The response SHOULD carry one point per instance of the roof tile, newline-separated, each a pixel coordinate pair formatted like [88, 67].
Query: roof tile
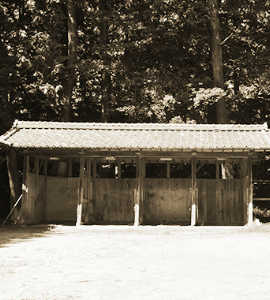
[117, 136]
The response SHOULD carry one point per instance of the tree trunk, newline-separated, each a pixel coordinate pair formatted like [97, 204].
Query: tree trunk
[106, 80]
[70, 67]
[106, 100]
[217, 61]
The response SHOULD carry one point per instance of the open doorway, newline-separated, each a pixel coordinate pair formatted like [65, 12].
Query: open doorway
[4, 191]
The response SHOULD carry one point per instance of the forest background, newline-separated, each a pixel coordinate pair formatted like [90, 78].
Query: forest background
[188, 61]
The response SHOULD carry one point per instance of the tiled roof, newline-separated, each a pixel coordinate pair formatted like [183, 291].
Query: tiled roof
[119, 136]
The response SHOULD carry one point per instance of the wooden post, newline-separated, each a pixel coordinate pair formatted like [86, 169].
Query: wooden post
[25, 188]
[219, 185]
[137, 194]
[24, 183]
[80, 198]
[35, 214]
[45, 189]
[94, 176]
[250, 194]
[168, 175]
[138, 205]
[89, 185]
[247, 191]
[118, 165]
[194, 204]
[13, 180]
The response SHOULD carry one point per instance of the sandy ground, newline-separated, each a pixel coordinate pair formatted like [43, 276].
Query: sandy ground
[124, 262]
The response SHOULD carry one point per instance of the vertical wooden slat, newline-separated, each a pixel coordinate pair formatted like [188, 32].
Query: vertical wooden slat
[194, 200]
[70, 167]
[80, 198]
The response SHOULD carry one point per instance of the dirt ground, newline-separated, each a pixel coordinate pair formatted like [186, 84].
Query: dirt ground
[125, 262]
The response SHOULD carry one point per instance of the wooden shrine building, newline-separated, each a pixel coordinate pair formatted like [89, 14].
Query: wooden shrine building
[95, 173]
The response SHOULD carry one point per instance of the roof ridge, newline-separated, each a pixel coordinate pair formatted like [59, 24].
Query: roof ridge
[136, 126]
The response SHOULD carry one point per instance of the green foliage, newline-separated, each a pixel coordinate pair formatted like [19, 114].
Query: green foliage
[136, 61]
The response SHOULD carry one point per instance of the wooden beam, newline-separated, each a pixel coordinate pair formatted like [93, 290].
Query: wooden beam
[194, 200]
[175, 154]
[81, 192]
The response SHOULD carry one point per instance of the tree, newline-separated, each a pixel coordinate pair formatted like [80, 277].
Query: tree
[70, 73]
[216, 59]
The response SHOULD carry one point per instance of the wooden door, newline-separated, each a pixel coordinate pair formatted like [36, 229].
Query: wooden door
[167, 201]
[114, 191]
[62, 199]
[220, 201]
[114, 201]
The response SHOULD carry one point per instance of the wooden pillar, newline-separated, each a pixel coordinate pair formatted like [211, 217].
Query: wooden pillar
[194, 200]
[138, 205]
[44, 216]
[35, 205]
[90, 213]
[219, 209]
[26, 166]
[13, 180]
[94, 176]
[250, 194]
[168, 175]
[118, 165]
[81, 192]
[247, 191]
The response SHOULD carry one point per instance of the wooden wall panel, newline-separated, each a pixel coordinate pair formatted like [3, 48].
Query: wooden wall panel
[62, 198]
[207, 206]
[36, 194]
[220, 202]
[114, 201]
[167, 201]
[230, 202]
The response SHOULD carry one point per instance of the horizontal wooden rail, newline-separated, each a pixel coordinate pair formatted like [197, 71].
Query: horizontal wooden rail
[261, 199]
[261, 181]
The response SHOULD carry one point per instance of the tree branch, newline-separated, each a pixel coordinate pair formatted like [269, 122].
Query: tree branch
[226, 39]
